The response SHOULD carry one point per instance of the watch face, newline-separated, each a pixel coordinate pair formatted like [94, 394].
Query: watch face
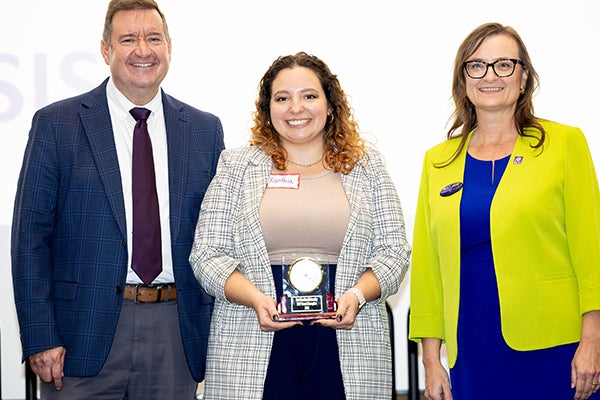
[305, 274]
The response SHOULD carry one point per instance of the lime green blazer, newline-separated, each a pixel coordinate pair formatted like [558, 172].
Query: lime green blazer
[545, 230]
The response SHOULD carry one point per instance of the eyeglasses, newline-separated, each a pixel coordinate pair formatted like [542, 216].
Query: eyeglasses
[502, 67]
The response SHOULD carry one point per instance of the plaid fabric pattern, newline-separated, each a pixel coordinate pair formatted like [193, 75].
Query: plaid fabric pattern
[69, 249]
[228, 236]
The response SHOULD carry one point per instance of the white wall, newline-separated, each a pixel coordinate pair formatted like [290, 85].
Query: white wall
[394, 59]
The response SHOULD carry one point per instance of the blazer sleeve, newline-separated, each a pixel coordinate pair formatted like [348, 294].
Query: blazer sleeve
[213, 239]
[582, 210]
[426, 303]
[390, 248]
[33, 224]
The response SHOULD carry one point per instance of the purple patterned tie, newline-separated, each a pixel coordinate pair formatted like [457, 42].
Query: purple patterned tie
[147, 253]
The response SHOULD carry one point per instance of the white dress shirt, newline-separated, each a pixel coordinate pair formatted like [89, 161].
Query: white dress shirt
[123, 124]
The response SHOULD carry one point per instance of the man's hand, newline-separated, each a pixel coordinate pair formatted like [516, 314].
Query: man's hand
[48, 365]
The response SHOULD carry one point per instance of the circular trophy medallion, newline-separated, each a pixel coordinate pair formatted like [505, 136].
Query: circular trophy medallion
[305, 274]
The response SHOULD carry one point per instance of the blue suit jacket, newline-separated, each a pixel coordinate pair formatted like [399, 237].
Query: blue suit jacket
[69, 249]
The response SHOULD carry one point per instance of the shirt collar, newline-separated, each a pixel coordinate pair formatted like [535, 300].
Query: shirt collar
[124, 104]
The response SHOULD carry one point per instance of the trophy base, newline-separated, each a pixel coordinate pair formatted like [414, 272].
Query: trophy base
[306, 316]
[299, 307]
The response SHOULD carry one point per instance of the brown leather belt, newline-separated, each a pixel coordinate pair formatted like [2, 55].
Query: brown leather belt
[150, 294]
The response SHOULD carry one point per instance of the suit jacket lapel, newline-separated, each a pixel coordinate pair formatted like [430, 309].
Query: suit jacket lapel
[259, 169]
[95, 119]
[178, 133]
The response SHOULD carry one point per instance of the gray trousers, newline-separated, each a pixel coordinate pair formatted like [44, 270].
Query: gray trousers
[146, 361]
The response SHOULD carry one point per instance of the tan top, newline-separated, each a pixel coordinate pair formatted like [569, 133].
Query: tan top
[311, 219]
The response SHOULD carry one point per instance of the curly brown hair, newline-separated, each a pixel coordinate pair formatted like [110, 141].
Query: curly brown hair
[343, 144]
[464, 116]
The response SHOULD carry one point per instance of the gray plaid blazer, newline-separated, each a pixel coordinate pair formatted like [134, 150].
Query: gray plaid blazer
[228, 236]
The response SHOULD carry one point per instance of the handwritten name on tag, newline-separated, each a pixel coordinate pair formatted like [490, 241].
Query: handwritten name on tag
[284, 181]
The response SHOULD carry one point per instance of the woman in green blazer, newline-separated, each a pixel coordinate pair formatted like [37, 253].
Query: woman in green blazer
[506, 252]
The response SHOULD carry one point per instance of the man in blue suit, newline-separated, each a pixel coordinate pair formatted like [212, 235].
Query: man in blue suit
[90, 327]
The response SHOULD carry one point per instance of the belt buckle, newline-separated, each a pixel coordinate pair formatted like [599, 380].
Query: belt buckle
[159, 289]
[136, 294]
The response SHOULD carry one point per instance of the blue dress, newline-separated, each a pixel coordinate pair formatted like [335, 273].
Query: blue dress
[486, 368]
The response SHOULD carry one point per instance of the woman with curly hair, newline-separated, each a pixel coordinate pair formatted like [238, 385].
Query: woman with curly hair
[303, 215]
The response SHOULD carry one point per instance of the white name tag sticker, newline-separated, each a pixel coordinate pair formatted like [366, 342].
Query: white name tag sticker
[283, 181]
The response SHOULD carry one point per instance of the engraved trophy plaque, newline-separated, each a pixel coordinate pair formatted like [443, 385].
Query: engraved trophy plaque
[306, 293]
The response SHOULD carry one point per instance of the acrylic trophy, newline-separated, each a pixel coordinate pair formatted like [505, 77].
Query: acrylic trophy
[306, 293]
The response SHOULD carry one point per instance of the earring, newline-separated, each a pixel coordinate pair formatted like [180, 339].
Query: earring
[330, 118]
[522, 90]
